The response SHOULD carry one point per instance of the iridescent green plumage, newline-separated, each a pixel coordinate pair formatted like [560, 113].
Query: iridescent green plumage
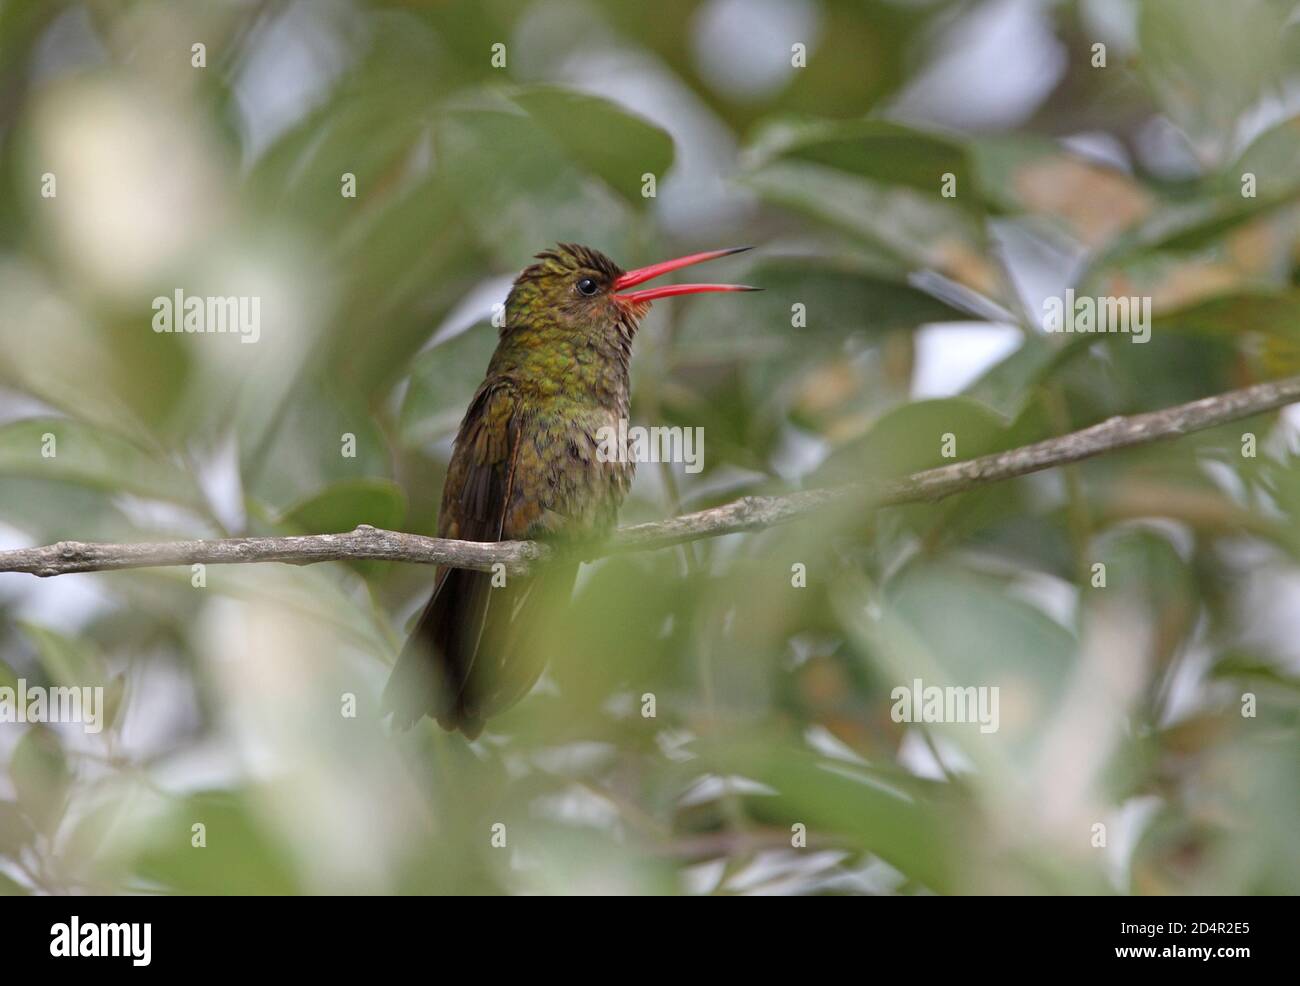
[525, 466]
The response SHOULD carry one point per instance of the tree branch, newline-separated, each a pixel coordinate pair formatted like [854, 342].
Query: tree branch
[746, 514]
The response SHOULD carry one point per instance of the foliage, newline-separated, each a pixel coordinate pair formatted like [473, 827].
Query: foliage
[1120, 705]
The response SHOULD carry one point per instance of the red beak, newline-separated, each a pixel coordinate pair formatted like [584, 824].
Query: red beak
[643, 274]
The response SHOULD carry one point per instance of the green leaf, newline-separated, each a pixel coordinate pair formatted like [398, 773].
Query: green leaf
[987, 636]
[89, 456]
[344, 505]
[916, 230]
[1207, 62]
[240, 856]
[1265, 312]
[1243, 666]
[1187, 226]
[839, 298]
[86, 363]
[517, 189]
[68, 661]
[1274, 159]
[40, 776]
[403, 266]
[369, 127]
[8, 678]
[879, 150]
[885, 813]
[443, 379]
[914, 437]
[304, 452]
[324, 594]
[911, 437]
[602, 137]
[15, 830]
[1008, 386]
[1173, 280]
[40, 509]
[1090, 203]
[1145, 570]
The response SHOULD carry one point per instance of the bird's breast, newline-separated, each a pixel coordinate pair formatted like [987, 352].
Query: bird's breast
[569, 449]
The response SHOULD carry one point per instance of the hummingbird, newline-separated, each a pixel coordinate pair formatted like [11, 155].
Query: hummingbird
[526, 466]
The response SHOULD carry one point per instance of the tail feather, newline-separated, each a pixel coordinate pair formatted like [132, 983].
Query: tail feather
[431, 671]
[520, 643]
[473, 652]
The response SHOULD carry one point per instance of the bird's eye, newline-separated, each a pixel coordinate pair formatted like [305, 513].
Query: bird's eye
[587, 286]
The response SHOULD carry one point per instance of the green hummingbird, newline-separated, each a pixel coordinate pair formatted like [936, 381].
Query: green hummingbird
[526, 465]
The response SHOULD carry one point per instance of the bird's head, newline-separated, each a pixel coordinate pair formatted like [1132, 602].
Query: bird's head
[577, 289]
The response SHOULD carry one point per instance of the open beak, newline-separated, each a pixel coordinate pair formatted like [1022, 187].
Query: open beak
[642, 274]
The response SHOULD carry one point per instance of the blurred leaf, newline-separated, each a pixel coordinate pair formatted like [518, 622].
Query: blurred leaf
[1090, 202]
[879, 812]
[1242, 666]
[1196, 224]
[1274, 159]
[325, 594]
[952, 626]
[396, 314]
[917, 230]
[40, 776]
[443, 379]
[1186, 226]
[240, 857]
[8, 678]
[1176, 279]
[1208, 62]
[103, 836]
[15, 830]
[880, 150]
[89, 456]
[41, 508]
[1121, 377]
[911, 437]
[68, 661]
[87, 363]
[1271, 315]
[602, 137]
[1145, 570]
[114, 699]
[305, 450]
[638, 632]
[1009, 384]
[858, 53]
[838, 299]
[517, 190]
[987, 635]
[342, 506]
[370, 127]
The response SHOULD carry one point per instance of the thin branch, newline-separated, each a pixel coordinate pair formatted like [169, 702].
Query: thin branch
[746, 514]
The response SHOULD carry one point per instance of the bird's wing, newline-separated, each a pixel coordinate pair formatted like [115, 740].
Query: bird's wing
[495, 490]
